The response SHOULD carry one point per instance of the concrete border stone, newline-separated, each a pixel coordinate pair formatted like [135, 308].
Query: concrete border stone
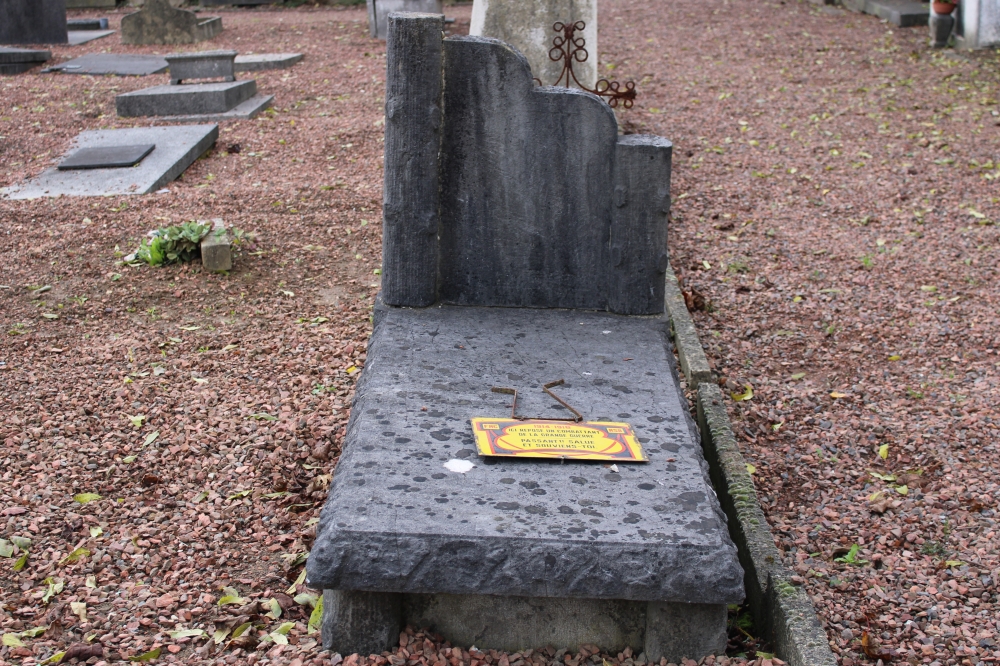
[783, 612]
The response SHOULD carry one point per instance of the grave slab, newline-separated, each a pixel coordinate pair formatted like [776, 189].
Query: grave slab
[33, 22]
[185, 100]
[160, 23]
[262, 61]
[246, 111]
[16, 61]
[118, 64]
[176, 149]
[87, 24]
[78, 37]
[527, 26]
[379, 10]
[398, 521]
[106, 157]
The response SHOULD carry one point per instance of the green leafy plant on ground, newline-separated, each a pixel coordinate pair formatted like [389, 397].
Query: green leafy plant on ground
[173, 244]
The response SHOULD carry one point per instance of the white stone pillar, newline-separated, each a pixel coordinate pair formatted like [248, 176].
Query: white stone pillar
[527, 25]
[978, 24]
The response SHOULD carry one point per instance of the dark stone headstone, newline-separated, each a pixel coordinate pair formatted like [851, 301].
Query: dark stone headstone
[33, 22]
[160, 23]
[106, 157]
[502, 193]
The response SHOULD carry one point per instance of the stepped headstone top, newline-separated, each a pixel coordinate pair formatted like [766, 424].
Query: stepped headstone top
[107, 157]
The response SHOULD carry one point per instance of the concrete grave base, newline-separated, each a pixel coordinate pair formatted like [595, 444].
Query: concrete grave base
[118, 64]
[176, 149]
[77, 37]
[370, 622]
[246, 111]
[260, 61]
[185, 100]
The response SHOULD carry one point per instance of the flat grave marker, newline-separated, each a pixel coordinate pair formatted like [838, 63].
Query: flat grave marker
[119, 64]
[106, 157]
[176, 149]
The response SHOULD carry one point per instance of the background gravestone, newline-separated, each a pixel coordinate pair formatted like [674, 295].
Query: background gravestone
[527, 25]
[33, 22]
[160, 23]
[379, 10]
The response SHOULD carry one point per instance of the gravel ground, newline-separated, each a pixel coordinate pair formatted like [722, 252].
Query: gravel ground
[835, 197]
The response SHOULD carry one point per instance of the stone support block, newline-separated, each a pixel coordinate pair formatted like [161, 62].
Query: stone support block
[194, 99]
[216, 249]
[201, 65]
[361, 622]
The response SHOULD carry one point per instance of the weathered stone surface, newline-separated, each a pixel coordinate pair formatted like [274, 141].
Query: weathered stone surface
[978, 24]
[244, 111]
[397, 520]
[517, 623]
[160, 23]
[941, 26]
[216, 250]
[413, 118]
[676, 631]
[199, 98]
[257, 62]
[33, 22]
[527, 26]
[379, 10]
[106, 157]
[176, 149]
[511, 198]
[120, 64]
[361, 622]
[201, 65]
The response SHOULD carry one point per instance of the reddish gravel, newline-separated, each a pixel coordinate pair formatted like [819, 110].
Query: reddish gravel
[835, 191]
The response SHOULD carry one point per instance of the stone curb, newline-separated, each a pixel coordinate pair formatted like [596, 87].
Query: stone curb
[782, 612]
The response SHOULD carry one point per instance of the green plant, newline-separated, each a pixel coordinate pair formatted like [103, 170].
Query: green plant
[173, 244]
[852, 557]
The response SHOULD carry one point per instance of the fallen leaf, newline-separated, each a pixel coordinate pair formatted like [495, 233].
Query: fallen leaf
[84, 498]
[231, 596]
[883, 452]
[751, 469]
[316, 617]
[798, 375]
[837, 394]
[96, 531]
[147, 656]
[77, 554]
[6, 548]
[136, 420]
[746, 395]
[12, 640]
[150, 438]
[79, 608]
[186, 633]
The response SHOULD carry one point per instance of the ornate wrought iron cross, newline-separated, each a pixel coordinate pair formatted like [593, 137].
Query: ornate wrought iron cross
[570, 48]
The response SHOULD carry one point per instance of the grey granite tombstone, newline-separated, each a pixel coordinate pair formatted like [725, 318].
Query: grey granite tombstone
[33, 22]
[202, 65]
[524, 241]
[527, 26]
[379, 10]
[160, 23]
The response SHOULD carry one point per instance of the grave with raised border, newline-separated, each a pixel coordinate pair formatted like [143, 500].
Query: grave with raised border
[101, 152]
[524, 241]
[160, 23]
[229, 99]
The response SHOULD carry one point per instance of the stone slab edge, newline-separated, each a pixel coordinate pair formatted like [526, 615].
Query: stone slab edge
[247, 110]
[782, 611]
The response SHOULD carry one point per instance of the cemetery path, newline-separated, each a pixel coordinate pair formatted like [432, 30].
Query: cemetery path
[835, 199]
